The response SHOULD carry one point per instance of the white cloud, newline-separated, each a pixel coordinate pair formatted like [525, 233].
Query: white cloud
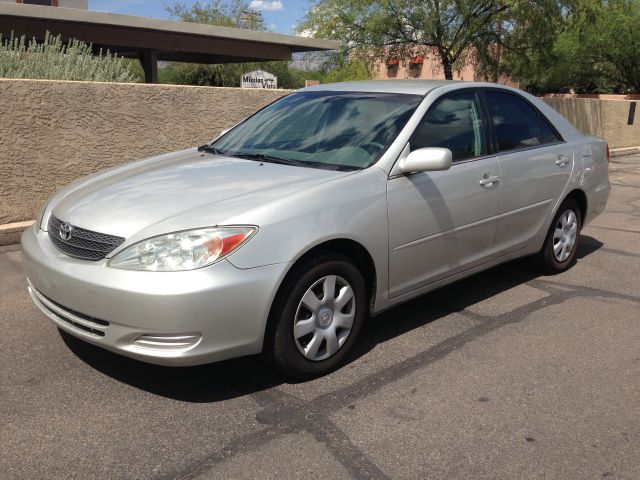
[266, 5]
[303, 33]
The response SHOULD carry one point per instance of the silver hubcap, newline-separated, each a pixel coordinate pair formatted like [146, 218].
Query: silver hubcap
[324, 318]
[564, 237]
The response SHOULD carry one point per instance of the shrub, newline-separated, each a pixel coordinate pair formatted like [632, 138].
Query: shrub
[52, 59]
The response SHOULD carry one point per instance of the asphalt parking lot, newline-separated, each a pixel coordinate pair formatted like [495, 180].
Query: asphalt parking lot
[504, 375]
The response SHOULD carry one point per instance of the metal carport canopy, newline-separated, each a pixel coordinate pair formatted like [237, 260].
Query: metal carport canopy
[151, 39]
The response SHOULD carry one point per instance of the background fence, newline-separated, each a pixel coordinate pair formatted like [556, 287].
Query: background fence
[612, 117]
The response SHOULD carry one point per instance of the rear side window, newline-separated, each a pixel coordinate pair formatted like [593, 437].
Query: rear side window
[516, 123]
[455, 123]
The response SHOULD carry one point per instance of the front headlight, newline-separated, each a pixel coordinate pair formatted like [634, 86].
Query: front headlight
[186, 250]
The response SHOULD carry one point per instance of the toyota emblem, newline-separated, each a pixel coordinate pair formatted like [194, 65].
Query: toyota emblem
[65, 231]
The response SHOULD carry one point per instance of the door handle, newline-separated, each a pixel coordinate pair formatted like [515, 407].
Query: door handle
[488, 180]
[562, 160]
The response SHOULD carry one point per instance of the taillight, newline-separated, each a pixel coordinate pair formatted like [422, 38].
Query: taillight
[608, 154]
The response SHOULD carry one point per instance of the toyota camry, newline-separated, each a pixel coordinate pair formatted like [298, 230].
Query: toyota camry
[284, 234]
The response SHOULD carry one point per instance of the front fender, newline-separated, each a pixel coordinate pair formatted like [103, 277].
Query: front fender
[352, 207]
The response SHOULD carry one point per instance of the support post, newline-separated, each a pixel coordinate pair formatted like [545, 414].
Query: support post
[149, 62]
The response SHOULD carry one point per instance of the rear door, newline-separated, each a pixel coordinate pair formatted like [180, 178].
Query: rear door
[535, 166]
[443, 222]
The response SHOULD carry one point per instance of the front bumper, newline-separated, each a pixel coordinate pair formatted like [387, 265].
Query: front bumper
[176, 318]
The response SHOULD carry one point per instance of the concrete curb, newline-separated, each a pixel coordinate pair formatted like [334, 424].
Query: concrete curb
[10, 232]
[620, 152]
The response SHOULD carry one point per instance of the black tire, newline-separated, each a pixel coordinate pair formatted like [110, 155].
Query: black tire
[280, 344]
[546, 258]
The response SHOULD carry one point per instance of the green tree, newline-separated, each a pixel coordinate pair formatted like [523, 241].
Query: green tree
[602, 40]
[55, 60]
[337, 67]
[594, 46]
[235, 14]
[521, 39]
[404, 28]
[528, 55]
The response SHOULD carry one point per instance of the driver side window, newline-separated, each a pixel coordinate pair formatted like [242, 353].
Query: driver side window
[455, 123]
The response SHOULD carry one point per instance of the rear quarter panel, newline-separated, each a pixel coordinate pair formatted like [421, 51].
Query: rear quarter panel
[594, 180]
[590, 175]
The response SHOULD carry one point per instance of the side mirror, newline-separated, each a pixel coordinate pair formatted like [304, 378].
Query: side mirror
[426, 160]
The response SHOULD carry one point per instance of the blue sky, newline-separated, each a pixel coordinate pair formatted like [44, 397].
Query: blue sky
[279, 15]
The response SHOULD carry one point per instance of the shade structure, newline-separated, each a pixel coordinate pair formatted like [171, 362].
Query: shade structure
[151, 39]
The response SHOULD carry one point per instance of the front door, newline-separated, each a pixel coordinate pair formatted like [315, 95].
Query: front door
[441, 223]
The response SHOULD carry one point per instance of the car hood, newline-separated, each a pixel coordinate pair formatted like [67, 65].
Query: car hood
[130, 199]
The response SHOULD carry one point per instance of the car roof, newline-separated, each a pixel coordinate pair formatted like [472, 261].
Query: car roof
[415, 87]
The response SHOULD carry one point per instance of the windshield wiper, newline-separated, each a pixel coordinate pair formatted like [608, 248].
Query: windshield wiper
[209, 149]
[262, 157]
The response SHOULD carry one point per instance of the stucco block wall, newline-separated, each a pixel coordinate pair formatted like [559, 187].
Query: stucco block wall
[608, 119]
[53, 132]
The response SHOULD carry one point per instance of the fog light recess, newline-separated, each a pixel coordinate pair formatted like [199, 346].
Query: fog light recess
[167, 342]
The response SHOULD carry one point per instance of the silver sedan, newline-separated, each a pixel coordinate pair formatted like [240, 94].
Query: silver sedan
[336, 202]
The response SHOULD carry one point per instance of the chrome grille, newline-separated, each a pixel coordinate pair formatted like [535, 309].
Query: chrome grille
[82, 243]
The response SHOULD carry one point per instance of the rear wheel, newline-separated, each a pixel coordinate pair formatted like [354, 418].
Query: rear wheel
[561, 244]
[317, 317]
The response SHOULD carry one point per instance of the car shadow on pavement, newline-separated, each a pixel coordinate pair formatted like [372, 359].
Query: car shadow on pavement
[243, 376]
[456, 297]
[587, 246]
[204, 383]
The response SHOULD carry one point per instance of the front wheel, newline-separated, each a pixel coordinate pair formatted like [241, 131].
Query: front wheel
[561, 245]
[317, 317]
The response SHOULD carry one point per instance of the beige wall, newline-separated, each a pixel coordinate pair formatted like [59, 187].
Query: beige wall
[52, 132]
[606, 118]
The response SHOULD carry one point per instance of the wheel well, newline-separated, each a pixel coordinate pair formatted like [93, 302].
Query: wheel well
[580, 197]
[355, 252]
[351, 249]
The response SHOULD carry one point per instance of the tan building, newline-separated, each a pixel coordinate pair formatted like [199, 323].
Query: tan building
[425, 67]
[83, 4]
[418, 67]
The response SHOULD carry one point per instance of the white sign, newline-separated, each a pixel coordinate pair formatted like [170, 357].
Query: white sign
[258, 79]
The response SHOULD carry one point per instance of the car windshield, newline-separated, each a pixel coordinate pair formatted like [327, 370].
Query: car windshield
[331, 130]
